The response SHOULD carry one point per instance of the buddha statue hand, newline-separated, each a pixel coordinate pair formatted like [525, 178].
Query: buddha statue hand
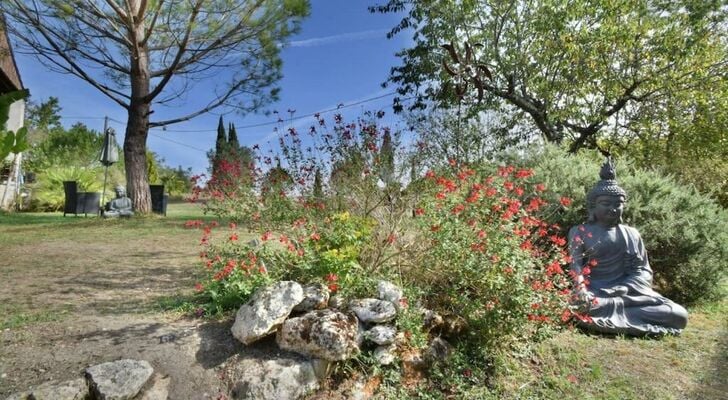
[615, 291]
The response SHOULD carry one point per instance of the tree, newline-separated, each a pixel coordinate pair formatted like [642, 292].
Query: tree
[574, 67]
[147, 53]
[220, 143]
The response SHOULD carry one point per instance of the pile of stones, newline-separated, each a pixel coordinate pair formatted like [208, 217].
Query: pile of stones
[323, 330]
[313, 329]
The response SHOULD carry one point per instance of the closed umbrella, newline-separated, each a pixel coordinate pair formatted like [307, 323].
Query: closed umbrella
[109, 155]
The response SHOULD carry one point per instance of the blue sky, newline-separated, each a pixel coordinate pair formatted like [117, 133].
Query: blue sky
[340, 56]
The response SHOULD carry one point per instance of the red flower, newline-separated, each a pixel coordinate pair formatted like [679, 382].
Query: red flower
[565, 201]
[508, 185]
[266, 236]
[234, 237]
[419, 211]
[391, 238]
[458, 209]
[524, 173]
[315, 236]
[331, 277]
[199, 287]
[233, 225]
[540, 187]
[333, 287]
[429, 174]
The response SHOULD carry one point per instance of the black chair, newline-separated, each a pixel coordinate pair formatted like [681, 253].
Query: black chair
[79, 202]
[159, 199]
[71, 190]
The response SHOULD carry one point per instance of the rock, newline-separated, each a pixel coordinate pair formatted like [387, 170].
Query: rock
[326, 334]
[159, 388]
[315, 297]
[321, 368]
[19, 396]
[277, 379]
[373, 310]
[266, 310]
[76, 389]
[118, 380]
[381, 334]
[439, 350]
[390, 292]
[385, 354]
[338, 302]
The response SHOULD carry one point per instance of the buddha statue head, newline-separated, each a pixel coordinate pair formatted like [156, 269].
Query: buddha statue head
[120, 191]
[605, 201]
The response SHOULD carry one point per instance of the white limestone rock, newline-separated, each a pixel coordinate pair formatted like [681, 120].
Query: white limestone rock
[118, 380]
[276, 379]
[315, 297]
[325, 334]
[373, 310]
[390, 292]
[381, 334]
[266, 311]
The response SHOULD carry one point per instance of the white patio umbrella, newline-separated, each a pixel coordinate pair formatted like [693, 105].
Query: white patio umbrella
[109, 155]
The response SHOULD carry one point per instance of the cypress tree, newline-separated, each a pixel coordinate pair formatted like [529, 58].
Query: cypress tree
[386, 159]
[318, 190]
[220, 143]
[233, 138]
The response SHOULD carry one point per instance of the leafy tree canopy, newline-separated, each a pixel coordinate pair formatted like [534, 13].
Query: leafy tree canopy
[576, 68]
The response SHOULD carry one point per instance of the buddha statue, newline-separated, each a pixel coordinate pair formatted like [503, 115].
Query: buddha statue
[120, 206]
[613, 278]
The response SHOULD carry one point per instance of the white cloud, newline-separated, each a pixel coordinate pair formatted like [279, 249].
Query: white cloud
[344, 37]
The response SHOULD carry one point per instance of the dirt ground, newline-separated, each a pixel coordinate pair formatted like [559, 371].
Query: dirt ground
[90, 292]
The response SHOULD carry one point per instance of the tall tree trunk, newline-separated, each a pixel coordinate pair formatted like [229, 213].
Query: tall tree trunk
[135, 157]
[137, 125]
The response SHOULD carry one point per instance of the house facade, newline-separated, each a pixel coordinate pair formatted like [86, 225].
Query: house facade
[10, 81]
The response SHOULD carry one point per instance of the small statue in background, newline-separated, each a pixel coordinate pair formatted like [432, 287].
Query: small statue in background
[120, 206]
[613, 275]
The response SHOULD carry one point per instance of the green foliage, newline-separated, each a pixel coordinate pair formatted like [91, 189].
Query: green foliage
[327, 252]
[11, 142]
[176, 181]
[78, 146]
[576, 69]
[48, 192]
[684, 231]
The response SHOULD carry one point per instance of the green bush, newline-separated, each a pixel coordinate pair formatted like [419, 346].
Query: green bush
[684, 231]
[48, 194]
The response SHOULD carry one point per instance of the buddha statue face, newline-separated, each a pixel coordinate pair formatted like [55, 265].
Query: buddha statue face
[120, 191]
[607, 210]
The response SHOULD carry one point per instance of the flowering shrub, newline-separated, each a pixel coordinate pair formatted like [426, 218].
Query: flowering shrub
[306, 252]
[233, 270]
[490, 259]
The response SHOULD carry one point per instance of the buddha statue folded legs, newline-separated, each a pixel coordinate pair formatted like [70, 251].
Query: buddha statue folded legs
[612, 271]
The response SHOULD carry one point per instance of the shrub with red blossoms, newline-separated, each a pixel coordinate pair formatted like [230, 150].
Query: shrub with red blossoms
[490, 256]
